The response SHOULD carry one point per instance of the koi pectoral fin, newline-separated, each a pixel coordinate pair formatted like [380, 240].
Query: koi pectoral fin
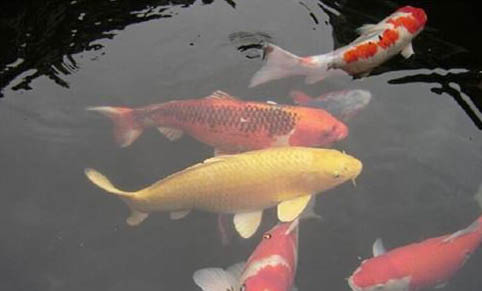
[247, 223]
[171, 133]
[407, 51]
[214, 279]
[174, 215]
[136, 217]
[289, 210]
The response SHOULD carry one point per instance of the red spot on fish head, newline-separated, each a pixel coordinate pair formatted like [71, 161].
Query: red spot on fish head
[418, 13]
[413, 23]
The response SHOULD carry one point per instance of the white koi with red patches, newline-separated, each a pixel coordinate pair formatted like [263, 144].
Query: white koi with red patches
[377, 43]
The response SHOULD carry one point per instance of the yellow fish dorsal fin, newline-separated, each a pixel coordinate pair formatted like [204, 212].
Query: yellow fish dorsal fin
[215, 159]
[221, 95]
[289, 210]
[198, 165]
[247, 223]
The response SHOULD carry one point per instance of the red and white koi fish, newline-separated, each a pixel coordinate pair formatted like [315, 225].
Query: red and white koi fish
[271, 267]
[377, 43]
[429, 263]
[228, 124]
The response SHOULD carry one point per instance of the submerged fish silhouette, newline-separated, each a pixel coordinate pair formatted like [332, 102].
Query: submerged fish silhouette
[343, 104]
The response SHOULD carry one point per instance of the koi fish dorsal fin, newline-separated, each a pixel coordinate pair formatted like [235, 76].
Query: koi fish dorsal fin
[378, 248]
[247, 223]
[221, 95]
[215, 279]
[218, 158]
[372, 28]
[198, 165]
[289, 210]
[471, 228]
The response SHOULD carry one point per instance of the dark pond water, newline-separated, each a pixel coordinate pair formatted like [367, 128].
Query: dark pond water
[419, 138]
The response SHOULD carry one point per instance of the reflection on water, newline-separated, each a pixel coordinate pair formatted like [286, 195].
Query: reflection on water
[44, 36]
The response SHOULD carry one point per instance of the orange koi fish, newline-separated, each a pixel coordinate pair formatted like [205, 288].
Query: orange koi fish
[228, 124]
[417, 266]
[377, 43]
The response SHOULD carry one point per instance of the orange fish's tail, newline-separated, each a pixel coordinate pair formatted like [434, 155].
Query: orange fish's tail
[126, 127]
[281, 64]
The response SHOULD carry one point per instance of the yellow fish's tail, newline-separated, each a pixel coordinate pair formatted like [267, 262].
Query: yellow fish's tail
[101, 181]
[104, 183]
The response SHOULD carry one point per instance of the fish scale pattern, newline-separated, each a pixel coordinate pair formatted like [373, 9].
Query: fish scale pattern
[250, 118]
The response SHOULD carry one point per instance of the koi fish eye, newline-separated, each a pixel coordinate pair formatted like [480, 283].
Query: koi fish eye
[267, 236]
[243, 287]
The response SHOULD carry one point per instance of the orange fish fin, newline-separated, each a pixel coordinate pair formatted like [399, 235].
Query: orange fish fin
[126, 127]
[171, 133]
[221, 95]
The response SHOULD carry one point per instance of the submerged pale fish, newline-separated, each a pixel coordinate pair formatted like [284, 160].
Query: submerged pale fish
[243, 184]
[343, 104]
[377, 43]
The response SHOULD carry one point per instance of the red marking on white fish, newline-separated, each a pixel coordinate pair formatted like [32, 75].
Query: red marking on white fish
[376, 44]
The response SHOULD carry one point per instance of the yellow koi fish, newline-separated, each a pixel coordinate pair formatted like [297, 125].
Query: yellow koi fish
[243, 184]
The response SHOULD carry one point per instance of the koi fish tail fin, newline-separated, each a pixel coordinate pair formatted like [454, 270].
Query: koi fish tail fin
[126, 128]
[300, 98]
[319, 67]
[279, 64]
[136, 217]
